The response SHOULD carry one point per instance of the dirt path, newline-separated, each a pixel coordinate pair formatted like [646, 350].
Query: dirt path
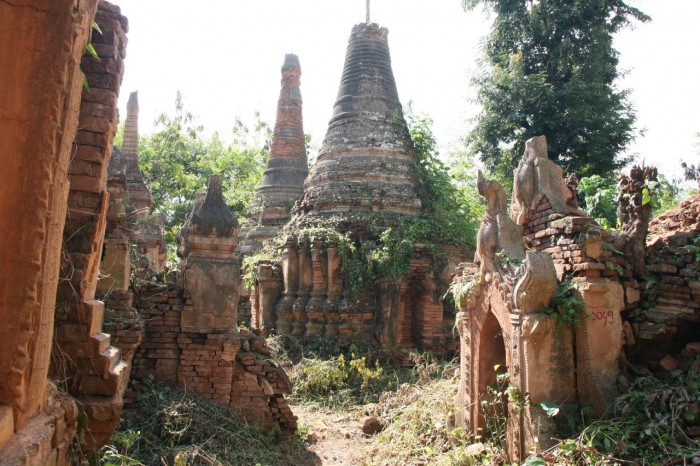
[333, 437]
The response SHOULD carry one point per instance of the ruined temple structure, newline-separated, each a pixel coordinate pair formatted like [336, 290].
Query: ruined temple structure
[191, 338]
[508, 320]
[56, 138]
[364, 178]
[287, 167]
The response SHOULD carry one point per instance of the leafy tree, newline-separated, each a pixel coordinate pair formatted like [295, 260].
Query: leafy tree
[447, 218]
[598, 197]
[550, 69]
[177, 161]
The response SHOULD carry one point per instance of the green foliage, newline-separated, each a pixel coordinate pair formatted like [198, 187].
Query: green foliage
[550, 69]
[463, 169]
[445, 220]
[567, 306]
[177, 161]
[665, 195]
[341, 382]
[119, 135]
[174, 427]
[649, 427]
[598, 197]
[89, 48]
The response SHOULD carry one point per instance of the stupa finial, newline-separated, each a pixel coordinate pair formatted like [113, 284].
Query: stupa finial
[367, 11]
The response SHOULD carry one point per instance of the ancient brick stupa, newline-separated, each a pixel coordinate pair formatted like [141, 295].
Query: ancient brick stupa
[364, 181]
[283, 181]
[367, 161]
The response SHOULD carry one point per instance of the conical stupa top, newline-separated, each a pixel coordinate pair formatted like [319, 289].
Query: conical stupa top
[213, 217]
[367, 160]
[287, 166]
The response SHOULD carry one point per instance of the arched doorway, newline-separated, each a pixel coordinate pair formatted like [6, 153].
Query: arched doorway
[492, 380]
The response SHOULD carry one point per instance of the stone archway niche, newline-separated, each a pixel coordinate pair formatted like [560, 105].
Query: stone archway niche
[492, 363]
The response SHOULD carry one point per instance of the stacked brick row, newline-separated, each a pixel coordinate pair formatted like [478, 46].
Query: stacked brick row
[158, 355]
[428, 307]
[206, 364]
[578, 246]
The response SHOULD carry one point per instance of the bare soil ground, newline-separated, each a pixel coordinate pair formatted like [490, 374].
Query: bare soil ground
[332, 437]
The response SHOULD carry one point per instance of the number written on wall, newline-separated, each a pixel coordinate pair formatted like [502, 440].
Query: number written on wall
[605, 316]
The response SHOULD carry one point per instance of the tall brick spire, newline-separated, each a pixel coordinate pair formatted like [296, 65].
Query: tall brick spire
[367, 161]
[139, 195]
[287, 168]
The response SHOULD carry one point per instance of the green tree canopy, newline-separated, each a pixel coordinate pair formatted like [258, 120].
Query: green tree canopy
[550, 69]
[177, 161]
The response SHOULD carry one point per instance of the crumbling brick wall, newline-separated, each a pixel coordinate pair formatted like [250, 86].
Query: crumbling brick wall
[250, 381]
[663, 328]
[88, 366]
[191, 338]
[40, 49]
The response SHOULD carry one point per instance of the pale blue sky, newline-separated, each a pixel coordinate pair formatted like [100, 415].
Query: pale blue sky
[225, 57]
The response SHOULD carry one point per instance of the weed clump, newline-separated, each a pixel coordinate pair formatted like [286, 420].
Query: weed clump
[651, 425]
[342, 381]
[415, 420]
[174, 427]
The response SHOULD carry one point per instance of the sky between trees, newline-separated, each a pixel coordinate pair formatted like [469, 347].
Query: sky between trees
[225, 58]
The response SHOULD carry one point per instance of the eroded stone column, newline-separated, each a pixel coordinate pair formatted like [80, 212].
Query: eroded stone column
[599, 342]
[268, 286]
[331, 305]
[290, 276]
[304, 290]
[40, 93]
[316, 307]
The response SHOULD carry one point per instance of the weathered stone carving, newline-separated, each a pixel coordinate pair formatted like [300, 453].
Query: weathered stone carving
[533, 290]
[505, 317]
[498, 234]
[634, 211]
[537, 177]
